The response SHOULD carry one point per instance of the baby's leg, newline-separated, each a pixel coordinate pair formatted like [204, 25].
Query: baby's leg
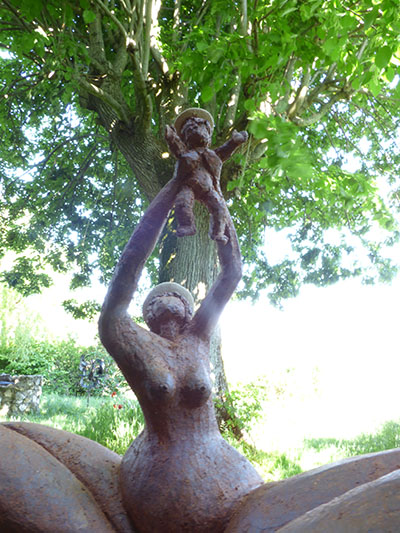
[218, 213]
[184, 212]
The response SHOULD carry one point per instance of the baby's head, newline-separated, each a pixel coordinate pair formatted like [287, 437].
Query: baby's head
[195, 126]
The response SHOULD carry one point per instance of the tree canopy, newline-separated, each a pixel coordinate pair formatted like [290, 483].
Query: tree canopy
[87, 88]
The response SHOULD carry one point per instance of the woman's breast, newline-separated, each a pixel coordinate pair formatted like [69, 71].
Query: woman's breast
[195, 389]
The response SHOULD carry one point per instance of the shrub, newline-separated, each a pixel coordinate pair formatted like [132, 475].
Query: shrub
[241, 408]
[386, 438]
[58, 362]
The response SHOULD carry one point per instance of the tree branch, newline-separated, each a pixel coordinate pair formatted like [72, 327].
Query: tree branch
[146, 39]
[288, 75]
[243, 18]
[328, 78]
[233, 103]
[234, 99]
[116, 21]
[308, 121]
[160, 60]
[97, 48]
[141, 92]
[297, 105]
[176, 23]
[104, 96]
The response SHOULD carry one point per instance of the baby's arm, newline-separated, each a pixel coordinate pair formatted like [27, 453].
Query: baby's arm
[225, 151]
[175, 143]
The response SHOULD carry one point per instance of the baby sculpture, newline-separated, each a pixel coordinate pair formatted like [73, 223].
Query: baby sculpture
[199, 168]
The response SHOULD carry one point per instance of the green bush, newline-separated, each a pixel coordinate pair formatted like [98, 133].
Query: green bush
[241, 408]
[34, 357]
[387, 438]
[58, 362]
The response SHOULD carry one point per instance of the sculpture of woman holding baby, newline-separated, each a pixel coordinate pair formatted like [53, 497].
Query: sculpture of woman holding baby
[179, 475]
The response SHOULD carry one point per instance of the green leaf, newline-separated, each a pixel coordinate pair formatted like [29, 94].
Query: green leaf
[207, 93]
[89, 16]
[331, 48]
[389, 74]
[369, 18]
[201, 46]
[215, 54]
[250, 105]
[258, 127]
[383, 56]
[375, 87]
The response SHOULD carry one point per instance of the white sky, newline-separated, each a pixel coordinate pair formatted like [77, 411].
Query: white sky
[346, 335]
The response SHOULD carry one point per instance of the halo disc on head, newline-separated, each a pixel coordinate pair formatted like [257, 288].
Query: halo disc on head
[164, 288]
[192, 112]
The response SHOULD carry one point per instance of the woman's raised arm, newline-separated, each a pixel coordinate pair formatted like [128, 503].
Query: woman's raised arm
[139, 247]
[207, 316]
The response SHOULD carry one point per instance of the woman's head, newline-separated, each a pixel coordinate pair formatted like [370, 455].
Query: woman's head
[167, 303]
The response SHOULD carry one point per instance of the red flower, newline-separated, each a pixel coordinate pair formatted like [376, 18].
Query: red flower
[120, 406]
[115, 406]
[113, 394]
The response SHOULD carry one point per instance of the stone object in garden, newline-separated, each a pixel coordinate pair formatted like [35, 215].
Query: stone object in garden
[19, 394]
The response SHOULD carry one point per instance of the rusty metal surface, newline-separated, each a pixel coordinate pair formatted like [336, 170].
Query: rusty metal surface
[273, 505]
[374, 508]
[38, 494]
[96, 467]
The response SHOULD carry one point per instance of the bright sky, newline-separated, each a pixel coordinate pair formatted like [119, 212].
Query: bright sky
[346, 336]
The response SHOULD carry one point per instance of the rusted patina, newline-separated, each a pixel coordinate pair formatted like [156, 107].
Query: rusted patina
[179, 474]
[199, 169]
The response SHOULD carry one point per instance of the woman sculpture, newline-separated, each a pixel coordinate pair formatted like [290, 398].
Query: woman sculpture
[179, 474]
